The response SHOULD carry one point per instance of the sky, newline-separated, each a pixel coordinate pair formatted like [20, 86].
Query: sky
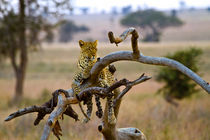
[106, 5]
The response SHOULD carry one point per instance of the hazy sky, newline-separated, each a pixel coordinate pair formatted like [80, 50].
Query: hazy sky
[99, 5]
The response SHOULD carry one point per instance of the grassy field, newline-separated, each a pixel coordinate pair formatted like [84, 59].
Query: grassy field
[53, 67]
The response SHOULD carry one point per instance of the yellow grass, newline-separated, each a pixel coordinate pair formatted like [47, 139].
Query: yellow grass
[53, 68]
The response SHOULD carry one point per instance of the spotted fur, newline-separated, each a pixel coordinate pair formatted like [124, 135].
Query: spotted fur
[87, 58]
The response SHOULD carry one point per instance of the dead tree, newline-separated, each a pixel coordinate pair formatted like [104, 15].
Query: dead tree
[60, 103]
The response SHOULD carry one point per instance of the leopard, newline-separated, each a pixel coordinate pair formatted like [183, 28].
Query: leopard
[87, 58]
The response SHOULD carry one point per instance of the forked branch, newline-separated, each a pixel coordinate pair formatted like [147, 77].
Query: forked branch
[63, 102]
[104, 92]
[47, 108]
[129, 56]
[134, 39]
[27, 110]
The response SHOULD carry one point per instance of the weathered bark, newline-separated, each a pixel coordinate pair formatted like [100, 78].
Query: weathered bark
[62, 103]
[110, 131]
[130, 134]
[128, 56]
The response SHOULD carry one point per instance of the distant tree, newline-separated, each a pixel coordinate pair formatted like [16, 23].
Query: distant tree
[84, 10]
[192, 9]
[176, 85]
[114, 11]
[182, 5]
[68, 28]
[126, 9]
[20, 26]
[173, 13]
[49, 37]
[103, 12]
[152, 21]
[208, 9]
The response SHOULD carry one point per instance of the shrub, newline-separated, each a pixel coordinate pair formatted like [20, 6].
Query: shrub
[177, 85]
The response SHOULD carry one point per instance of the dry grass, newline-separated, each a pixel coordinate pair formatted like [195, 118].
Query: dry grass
[196, 27]
[53, 68]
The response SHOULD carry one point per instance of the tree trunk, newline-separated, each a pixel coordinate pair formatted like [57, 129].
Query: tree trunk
[21, 69]
[154, 36]
[155, 33]
[19, 85]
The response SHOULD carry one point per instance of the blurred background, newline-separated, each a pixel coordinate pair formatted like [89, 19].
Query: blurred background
[39, 51]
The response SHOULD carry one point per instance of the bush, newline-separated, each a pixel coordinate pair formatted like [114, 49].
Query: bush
[177, 85]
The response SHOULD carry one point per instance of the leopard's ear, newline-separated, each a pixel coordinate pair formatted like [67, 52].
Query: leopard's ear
[95, 43]
[81, 43]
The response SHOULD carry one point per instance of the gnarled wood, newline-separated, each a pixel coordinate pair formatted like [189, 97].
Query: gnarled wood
[130, 134]
[54, 116]
[162, 61]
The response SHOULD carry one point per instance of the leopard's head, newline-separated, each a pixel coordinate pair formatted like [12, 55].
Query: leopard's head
[88, 48]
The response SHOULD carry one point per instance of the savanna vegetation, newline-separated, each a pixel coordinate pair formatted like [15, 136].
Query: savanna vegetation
[68, 29]
[152, 22]
[24, 25]
[152, 115]
[176, 85]
[53, 66]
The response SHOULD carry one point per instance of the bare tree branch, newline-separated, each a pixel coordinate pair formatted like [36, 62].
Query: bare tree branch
[47, 108]
[134, 39]
[103, 92]
[54, 116]
[64, 100]
[129, 85]
[128, 55]
[27, 110]
[130, 134]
